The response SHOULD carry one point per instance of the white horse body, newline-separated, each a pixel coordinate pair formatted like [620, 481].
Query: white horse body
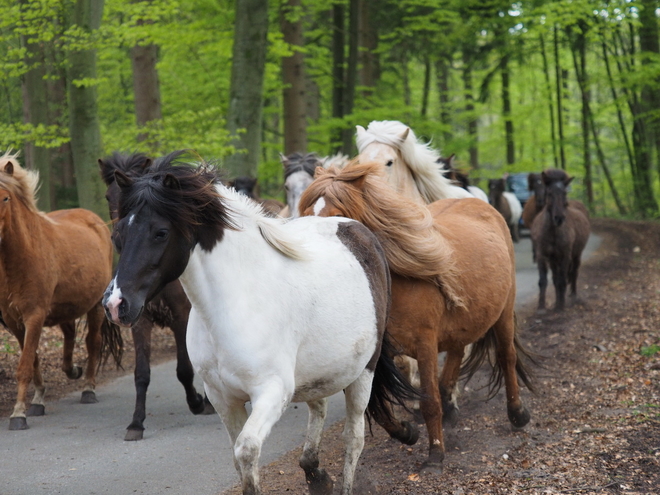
[478, 193]
[515, 206]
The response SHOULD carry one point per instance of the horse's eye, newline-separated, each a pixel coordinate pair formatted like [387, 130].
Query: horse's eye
[161, 235]
[6, 199]
[389, 163]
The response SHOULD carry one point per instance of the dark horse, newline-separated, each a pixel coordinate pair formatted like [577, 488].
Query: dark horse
[559, 234]
[170, 308]
[249, 187]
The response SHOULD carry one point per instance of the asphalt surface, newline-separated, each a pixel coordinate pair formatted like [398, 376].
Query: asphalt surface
[79, 449]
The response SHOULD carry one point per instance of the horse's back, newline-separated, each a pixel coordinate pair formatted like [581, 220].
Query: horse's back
[578, 215]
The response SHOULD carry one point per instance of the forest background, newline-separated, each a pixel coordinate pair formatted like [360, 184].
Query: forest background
[507, 87]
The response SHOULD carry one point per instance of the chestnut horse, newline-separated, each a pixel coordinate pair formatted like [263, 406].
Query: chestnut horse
[453, 284]
[559, 234]
[169, 309]
[53, 269]
[536, 201]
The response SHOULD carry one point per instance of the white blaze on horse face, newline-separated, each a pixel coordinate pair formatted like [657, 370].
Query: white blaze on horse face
[318, 206]
[130, 220]
[114, 301]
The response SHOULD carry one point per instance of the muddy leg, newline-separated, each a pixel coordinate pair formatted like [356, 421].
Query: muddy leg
[95, 318]
[318, 480]
[427, 358]
[543, 283]
[141, 332]
[573, 276]
[448, 386]
[559, 275]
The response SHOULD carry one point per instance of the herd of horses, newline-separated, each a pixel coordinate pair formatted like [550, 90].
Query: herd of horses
[389, 254]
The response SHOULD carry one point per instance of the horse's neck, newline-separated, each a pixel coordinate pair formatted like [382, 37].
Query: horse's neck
[404, 183]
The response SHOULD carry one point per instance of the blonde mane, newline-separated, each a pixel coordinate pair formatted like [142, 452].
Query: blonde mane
[419, 157]
[413, 244]
[22, 183]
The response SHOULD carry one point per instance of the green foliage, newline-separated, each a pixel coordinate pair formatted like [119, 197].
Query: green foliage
[650, 350]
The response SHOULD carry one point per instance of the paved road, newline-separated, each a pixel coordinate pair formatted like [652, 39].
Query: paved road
[79, 449]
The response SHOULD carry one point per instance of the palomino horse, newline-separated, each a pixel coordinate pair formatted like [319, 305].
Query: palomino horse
[411, 166]
[299, 173]
[170, 308]
[281, 311]
[248, 186]
[53, 269]
[461, 178]
[453, 284]
[559, 234]
[507, 204]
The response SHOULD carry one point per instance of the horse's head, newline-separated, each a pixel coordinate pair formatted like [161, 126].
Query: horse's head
[245, 185]
[17, 186]
[535, 184]
[383, 150]
[162, 216]
[298, 175]
[5, 196]
[133, 165]
[495, 189]
[556, 198]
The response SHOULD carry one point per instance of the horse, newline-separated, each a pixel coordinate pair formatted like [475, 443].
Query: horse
[169, 309]
[453, 283]
[559, 233]
[248, 186]
[281, 311]
[53, 270]
[507, 204]
[536, 201]
[411, 165]
[461, 178]
[299, 173]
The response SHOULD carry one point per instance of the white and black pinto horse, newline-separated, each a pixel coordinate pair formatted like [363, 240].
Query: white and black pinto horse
[281, 312]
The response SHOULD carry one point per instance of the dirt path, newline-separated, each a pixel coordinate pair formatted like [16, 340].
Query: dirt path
[595, 421]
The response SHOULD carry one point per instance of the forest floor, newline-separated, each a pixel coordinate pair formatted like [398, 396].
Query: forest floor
[595, 424]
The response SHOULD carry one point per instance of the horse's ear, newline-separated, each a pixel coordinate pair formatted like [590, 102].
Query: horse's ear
[359, 182]
[9, 168]
[101, 164]
[360, 131]
[122, 180]
[171, 182]
[283, 159]
[319, 171]
[545, 178]
[252, 181]
[568, 180]
[147, 163]
[404, 134]
[451, 159]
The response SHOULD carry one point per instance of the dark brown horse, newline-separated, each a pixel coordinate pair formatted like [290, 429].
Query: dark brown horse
[168, 309]
[559, 234]
[507, 204]
[453, 284]
[52, 271]
[249, 187]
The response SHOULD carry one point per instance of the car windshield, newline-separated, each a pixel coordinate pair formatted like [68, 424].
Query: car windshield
[517, 184]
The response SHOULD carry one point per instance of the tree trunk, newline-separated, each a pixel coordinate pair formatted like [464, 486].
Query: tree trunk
[469, 109]
[506, 112]
[351, 72]
[650, 45]
[245, 115]
[35, 112]
[442, 75]
[548, 87]
[146, 88]
[83, 115]
[293, 75]
[427, 85]
[368, 41]
[560, 92]
[338, 36]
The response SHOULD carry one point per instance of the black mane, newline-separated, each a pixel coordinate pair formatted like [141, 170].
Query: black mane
[132, 165]
[185, 195]
[296, 162]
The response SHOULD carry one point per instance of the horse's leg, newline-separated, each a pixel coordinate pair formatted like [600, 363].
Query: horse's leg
[317, 479]
[357, 399]
[93, 341]
[69, 331]
[25, 371]
[515, 232]
[37, 406]
[267, 408]
[233, 415]
[448, 385]
[559, 275]
[427, 359]
[141, 332]
[543, 282]
[573, 276]
[507, 358]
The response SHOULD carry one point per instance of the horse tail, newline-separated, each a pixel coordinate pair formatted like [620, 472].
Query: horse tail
[112, 343]
[390, 386]
[485, 349]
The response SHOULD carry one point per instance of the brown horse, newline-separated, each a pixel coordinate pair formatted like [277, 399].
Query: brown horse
[53, 269]
[536, 201]
[248, 186]
[170, 308]
[453, 284]
[559, 234]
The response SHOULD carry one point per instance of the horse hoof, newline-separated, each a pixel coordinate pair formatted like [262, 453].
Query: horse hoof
[133, 435]
[319, 482]
[197, 407]
[88, 397]
[519, 417]
[431, 467]
[412, 433]
[36, 410]
[75, 373]
[450, 416]
[18, 423]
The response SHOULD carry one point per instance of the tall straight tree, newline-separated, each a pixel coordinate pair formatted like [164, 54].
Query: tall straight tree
[83, 115]
[506, 111]
[245, 116]
[293, 75]
[649, 44]
[338, 58]
[351, 72]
